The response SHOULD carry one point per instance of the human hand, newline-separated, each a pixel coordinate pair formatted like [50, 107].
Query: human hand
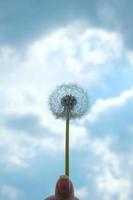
[64, 190]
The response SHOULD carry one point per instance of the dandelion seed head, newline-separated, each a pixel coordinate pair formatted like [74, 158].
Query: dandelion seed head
[68, 98]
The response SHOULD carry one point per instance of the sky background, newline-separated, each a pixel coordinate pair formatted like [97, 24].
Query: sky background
[44, 43]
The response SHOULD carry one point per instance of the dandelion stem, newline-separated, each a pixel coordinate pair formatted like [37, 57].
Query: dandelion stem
[67, 147]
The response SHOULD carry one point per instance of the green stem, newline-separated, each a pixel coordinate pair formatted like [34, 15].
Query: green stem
[67, 148]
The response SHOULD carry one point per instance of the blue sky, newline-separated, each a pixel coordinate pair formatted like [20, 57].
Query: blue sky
[44, 44]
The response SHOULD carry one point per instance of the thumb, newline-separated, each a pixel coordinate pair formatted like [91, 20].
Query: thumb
[64, 188]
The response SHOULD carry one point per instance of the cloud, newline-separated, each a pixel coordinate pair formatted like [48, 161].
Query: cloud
[8, 192]
[102, 105]
[25, 123]
[103, 150]
[81, 193]
[114, 187]
[112, 117]
[16, 150]
[46, 17]
[110, 146]
[114, 16]
[79, 52]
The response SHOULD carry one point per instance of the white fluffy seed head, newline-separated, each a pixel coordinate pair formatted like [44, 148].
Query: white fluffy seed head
[68, 98]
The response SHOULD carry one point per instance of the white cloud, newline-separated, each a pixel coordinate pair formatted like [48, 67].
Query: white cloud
[110, 126]
[16, 154]
[112, 186]
[130, 57]
[99, 46]
[102, 105]
[79, 137]
[82, 193]
[102, 149]
[8, 192]
[68, 54]
[111, 170]
[19, 148]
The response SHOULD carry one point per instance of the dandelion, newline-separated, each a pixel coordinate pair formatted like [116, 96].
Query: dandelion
[68, 101]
